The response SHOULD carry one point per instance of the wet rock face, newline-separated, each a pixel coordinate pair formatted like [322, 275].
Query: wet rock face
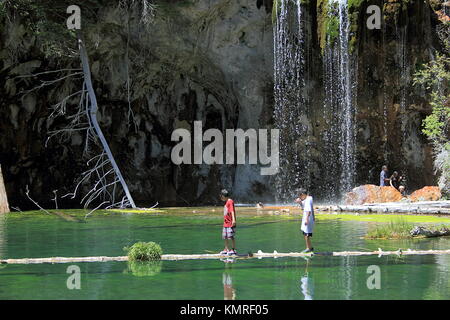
[429, 193]
[210, 61]
[372, 194]
[202, 60]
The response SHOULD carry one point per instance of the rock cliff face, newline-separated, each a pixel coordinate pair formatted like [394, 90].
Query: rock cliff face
[211, 61]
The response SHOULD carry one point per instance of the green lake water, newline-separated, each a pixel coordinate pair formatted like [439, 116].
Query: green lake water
[321, 277]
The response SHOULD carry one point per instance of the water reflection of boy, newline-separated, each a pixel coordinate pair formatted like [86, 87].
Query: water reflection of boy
[229, 293]
[306, 284]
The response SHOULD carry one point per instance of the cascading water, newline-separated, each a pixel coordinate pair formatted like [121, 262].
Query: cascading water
[340, 85]
[331, 135]
[291, 111]
[405, 82]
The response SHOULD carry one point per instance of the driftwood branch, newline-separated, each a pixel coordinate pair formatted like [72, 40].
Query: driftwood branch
[27, 192]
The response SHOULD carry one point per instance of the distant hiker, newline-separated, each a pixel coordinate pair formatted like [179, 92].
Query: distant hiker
[384, 180]
[229, 223]
[308, 219]
[402, 190]
[395, 180]
[402, 180]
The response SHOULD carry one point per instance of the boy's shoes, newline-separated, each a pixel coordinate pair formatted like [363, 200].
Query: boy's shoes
[308, 250]
[224, 252]
[232, 253]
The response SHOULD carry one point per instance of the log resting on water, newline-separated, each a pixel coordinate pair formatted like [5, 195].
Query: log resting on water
[258, 255]
[422, 207]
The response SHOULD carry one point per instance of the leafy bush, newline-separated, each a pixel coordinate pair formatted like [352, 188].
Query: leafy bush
[435, 76]
[144, 251]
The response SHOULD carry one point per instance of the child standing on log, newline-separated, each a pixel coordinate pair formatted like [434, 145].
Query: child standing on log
[229, 223]
[307, 226]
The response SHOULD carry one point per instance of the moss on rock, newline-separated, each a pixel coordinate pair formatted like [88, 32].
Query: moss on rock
[332, 29]
[322, 18]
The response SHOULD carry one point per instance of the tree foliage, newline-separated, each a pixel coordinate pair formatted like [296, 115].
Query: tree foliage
[435, 76]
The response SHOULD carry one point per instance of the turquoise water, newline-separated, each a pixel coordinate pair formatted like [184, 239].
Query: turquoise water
[321, 277]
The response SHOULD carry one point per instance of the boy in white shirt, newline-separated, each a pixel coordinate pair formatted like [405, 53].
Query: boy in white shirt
[307, 227]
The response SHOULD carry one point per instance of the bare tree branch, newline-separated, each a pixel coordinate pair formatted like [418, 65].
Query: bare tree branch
[27, 192]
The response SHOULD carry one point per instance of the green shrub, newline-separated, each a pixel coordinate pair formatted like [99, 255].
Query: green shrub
[144, 251]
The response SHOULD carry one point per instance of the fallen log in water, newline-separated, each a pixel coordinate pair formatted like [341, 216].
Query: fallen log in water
[259, 255]
[425, 207]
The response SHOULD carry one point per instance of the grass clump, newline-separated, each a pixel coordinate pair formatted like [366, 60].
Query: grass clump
[395, 229]
[144, 251]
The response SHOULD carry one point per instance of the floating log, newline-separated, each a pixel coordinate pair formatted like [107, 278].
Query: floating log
[258, 255]
[425, 207]
[4, 206]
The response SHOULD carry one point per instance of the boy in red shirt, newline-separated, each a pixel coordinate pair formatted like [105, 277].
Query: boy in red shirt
[229, 223]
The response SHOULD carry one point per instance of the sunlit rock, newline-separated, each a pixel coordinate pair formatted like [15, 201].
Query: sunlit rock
[370, 193]
[429, 193]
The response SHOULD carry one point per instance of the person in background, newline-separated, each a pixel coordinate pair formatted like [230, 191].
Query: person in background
[395, 180]
[402, 181]
[402, 190]
[307, 226]
[229, 223]
[384, 180]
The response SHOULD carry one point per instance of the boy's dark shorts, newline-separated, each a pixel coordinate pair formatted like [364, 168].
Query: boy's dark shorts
[228, 233]
[307, 234]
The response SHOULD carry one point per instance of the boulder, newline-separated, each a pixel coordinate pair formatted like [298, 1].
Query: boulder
[425, 232]
[370, 193]
[429, 193]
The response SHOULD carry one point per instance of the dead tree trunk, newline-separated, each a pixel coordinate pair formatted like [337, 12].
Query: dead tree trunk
[4, 207]
[93, 117]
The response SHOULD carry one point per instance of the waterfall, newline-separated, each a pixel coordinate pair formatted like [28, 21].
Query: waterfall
[290, 111]
[340, 95]
[404, 83]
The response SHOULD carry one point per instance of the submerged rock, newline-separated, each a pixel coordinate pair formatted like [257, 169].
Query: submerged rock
[370, 193]
[429, 193]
